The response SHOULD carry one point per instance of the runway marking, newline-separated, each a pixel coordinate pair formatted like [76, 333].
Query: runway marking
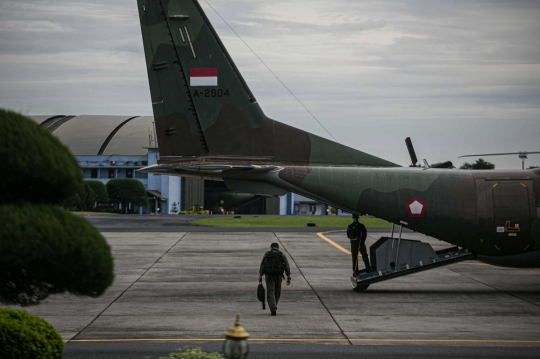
[445, 340]
[290, 340]
[331, 242]
[335, 230]
[314, 291]
[308, 340]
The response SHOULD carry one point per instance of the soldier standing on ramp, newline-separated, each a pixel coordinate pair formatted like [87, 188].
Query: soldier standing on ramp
[357, 233]
[273, 264]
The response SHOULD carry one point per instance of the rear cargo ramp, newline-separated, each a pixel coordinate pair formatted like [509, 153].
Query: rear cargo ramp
[394, 257]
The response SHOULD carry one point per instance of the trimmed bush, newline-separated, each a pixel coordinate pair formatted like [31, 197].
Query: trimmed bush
[46, 250]
[43, 249]
[127, 190]
[23, 335]
[35, 165]
[100, 191]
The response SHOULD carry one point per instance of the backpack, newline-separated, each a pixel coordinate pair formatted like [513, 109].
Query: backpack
[274, 263]
[354, 230]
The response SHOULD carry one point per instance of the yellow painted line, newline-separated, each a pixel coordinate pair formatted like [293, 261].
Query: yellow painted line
[443, 341]
[336, 230]
[290, 340]
[332, 243]
[308, 340]
[144, 340]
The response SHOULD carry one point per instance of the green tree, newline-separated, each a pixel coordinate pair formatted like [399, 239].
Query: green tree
[443, 164]
[83, 200]
[480, 164]
[87, 197]
[100, 190]
[126, 190]
[44, 249]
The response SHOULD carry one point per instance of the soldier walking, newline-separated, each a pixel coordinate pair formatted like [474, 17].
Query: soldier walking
[357, 233]
[273, 264]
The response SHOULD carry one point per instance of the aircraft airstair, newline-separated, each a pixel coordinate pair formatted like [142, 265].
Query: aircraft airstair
[395, 257]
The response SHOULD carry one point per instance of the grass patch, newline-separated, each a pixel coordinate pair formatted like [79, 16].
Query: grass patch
[289, 221]
[86, 213]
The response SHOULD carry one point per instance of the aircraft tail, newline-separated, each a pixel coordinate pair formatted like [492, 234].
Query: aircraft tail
[204, 108]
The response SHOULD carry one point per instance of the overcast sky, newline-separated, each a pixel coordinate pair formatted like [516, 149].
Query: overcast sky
[458, 77]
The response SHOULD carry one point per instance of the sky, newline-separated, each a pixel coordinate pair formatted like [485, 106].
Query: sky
[458, 77]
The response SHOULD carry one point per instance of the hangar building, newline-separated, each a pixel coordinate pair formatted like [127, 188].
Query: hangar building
[109, 147]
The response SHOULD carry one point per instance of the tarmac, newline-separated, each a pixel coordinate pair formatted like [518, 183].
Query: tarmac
[178, 288]
[180, 223]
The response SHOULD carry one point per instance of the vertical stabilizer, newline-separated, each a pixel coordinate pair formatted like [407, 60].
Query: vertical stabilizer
[202, 105]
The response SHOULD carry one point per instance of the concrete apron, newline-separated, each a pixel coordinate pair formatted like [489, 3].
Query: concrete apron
[187, 287]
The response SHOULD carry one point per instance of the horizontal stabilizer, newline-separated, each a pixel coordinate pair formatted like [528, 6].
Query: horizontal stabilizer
[254, 187]
[202, 105]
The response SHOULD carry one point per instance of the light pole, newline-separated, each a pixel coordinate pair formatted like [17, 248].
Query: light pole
[235, 345]
[523, 157]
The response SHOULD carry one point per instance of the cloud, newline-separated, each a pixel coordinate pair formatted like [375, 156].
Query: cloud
[32, 26]
[456, 76]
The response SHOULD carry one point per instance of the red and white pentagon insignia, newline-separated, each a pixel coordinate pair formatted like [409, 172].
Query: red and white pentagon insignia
[416, 207]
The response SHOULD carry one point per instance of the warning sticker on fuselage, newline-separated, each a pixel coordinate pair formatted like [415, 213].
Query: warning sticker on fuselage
[500, 229]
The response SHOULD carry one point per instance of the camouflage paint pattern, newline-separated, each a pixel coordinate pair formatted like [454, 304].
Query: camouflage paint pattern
[459, 206]
[222, 120]
[219, 131]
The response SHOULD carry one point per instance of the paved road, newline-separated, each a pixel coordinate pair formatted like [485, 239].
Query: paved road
[189, 286]
[305, 351]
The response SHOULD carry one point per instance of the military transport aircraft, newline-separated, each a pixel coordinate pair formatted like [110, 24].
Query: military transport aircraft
[210, 125]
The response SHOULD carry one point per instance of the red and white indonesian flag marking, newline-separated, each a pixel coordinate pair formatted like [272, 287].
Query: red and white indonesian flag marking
[203, 76]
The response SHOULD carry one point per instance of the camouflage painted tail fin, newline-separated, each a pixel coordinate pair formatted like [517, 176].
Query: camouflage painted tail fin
[202, 105]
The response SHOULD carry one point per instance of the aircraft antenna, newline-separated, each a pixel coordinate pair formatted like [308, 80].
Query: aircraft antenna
[272, 72]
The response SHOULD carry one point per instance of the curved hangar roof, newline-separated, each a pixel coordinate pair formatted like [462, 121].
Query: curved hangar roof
[100, 135]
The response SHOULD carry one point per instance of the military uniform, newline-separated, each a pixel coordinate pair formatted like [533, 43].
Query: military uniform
[273, 281]
[359, 243]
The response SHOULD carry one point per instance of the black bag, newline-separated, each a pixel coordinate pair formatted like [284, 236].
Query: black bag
[354, 230]
[274, 263]
[261, 294]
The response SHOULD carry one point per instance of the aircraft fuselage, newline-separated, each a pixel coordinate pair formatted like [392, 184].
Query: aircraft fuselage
[493, 213]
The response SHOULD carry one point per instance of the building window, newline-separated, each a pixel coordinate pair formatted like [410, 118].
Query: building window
[93, 173]
[111, 173]
[129, 173]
